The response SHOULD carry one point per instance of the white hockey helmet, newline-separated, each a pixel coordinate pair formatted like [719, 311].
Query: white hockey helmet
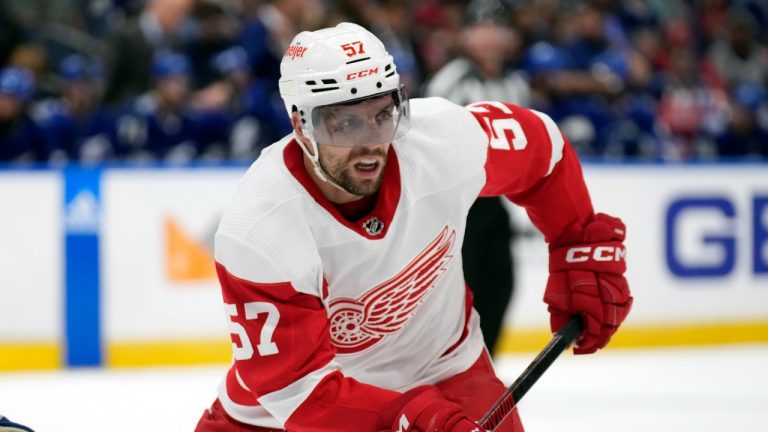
[341, 65]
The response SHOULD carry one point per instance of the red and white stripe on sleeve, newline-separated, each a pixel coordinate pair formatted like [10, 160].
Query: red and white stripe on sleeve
[531, 163]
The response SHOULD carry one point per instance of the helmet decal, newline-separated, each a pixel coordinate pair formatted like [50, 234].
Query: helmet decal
[353, 48]
[362, 74]
[294, 51]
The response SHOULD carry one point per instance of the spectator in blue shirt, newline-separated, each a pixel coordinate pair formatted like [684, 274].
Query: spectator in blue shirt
[239, 114]
[21, 139]
[157, 125]
[746, 132]
[77, 125]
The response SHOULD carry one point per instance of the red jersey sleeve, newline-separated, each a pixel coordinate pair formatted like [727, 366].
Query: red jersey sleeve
[283, 360]
[532, 163]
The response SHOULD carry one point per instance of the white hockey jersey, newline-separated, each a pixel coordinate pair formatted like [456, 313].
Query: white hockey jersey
[331, 319]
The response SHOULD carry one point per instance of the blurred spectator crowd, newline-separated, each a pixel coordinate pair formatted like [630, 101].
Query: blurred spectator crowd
[93, 81]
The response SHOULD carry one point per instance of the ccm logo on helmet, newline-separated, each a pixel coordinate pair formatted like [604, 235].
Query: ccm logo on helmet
[294, 51]
[362, 73]
[600, 253]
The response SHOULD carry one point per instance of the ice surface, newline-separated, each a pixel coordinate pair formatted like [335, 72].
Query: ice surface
[680, 390]
[692, 389]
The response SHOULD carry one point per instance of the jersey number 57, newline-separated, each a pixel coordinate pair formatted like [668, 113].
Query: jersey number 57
[499, 121]
[252, 310]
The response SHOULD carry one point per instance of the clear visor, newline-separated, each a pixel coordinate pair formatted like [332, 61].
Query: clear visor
[375, 120]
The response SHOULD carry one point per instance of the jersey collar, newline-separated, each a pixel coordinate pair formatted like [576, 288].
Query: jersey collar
[373, 225]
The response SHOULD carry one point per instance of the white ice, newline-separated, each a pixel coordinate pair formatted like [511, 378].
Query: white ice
[687, 389]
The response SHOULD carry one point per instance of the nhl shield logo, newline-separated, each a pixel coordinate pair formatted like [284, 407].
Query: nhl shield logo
[373, 226]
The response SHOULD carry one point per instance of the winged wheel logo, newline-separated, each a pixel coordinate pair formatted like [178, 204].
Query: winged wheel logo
[356, 324]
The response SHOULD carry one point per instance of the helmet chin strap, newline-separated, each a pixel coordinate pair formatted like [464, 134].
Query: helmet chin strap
[315, 159]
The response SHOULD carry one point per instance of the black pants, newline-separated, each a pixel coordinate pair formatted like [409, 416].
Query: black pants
[488, 266]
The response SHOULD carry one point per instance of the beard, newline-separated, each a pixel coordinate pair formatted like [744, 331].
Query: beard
[341, 172]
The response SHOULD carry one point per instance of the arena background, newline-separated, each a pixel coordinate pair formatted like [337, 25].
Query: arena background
[106, 229]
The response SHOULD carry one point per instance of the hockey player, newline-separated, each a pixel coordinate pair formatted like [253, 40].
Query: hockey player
[339, 258]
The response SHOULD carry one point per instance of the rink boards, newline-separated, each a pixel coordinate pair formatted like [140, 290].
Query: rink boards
[113, 266]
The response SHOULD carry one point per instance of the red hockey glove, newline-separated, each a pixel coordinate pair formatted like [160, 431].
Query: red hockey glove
[586, 277]
[424, 409]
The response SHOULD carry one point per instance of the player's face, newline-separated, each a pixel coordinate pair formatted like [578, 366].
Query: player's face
[358, 170]
[369, 122]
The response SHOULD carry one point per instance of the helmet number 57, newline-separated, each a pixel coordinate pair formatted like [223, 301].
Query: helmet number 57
[265, 346]
[353, 48]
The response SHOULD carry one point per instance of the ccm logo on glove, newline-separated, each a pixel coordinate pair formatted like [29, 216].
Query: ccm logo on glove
[600, 253]
[586, 278]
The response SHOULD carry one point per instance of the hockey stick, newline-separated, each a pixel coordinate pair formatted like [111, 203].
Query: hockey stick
[506, 403]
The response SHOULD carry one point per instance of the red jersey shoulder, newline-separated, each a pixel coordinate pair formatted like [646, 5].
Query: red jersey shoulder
[508, 126]
[524, 145]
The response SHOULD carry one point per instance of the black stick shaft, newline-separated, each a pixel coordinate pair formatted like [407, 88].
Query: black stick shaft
[506, 403]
